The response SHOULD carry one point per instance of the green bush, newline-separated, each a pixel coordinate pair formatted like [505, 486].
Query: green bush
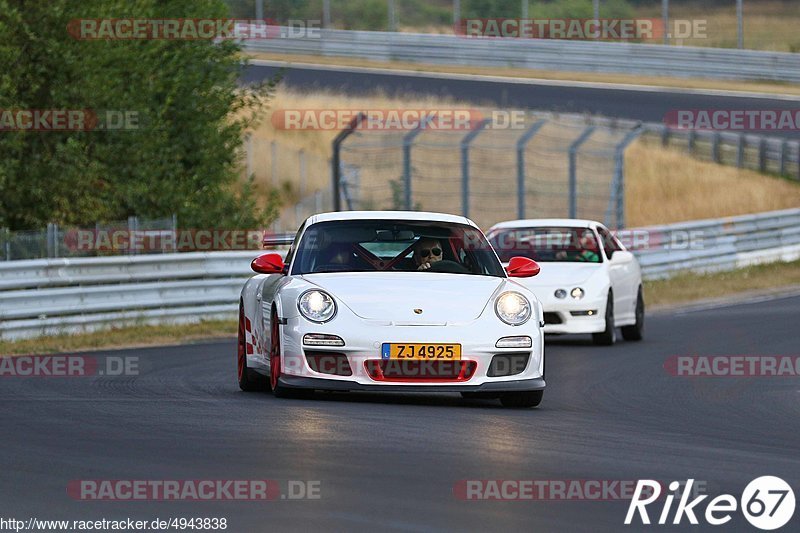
[184, 156]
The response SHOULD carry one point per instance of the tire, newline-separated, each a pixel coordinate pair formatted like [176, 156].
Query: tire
[635, 332]
[522, 399]
[278, 390]
[608, 336]
[249, 379]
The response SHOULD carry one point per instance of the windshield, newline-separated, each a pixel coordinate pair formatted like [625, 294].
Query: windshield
[395, 246]
[547, 244]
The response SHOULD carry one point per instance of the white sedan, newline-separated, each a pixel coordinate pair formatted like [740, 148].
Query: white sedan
[589, 282]
[394, 301]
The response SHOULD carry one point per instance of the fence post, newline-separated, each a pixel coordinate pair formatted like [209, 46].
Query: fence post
[336, 171]
[798, 160]
[691, 141]
[50, 240]
[248, 147]
[665, 136]
[133, 224]
[617, 193]
[740, 151]
[762, 154]
[408, 141]
[521, 143]
[468, 138]
[274, 163]
[301, 155]
[7, 243]
[715, 147]
[573, 178]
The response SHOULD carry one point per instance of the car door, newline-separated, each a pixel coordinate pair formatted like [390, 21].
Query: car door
[623, 276]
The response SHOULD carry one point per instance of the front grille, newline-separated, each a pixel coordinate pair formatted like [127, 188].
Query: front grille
[416, 370]
[552, 318]
[508, 364]
[333, 363]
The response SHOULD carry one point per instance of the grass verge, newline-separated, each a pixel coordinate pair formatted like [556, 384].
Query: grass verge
[123, 337]
[686, 288]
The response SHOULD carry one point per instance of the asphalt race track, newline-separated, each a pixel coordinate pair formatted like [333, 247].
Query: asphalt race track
[390, 462]
[648, 105]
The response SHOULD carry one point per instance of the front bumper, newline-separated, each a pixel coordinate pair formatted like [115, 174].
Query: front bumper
[364, 338]
[296, 382]
[561, 311]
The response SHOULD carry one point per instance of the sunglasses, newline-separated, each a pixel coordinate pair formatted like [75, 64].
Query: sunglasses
[425, 252]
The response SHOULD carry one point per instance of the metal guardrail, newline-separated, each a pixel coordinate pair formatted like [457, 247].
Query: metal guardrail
[51, 296]
[542, 54]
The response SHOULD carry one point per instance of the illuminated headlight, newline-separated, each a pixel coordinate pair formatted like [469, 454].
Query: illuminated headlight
[514, 342]
[513, 308]
[577, 293]
[316, 305]
[560, 293]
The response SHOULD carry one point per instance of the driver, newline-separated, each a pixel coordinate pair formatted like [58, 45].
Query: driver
[426, 251]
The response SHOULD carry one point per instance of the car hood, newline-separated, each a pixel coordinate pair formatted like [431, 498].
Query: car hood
[393, 296]
[561, 274]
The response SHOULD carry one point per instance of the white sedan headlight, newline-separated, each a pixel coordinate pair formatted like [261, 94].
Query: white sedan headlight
[316, 305]
[577, 293]
[513, 308]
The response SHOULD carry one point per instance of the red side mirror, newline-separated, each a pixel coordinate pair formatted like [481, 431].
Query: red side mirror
[522, 267]
[268, 264]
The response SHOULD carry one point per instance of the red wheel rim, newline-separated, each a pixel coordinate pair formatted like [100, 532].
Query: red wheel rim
[275, 354]
[241, 349]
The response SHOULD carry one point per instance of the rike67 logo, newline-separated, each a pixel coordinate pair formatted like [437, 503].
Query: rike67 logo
[767, 503]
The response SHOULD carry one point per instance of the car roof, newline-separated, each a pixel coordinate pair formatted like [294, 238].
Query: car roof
[547, 222]
[417, 216]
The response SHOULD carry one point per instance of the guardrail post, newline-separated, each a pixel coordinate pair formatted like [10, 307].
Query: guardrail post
[408, 141]
[762, 154]
[691, 141]
[468, 138]
[798, 160]
[665, 136]
[784, 149]
[521, 143]
[715, 147]
[740, 151]
[573, 177]
[336, 171]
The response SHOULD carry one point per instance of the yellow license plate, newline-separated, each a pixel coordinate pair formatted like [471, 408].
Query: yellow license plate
[447, 352]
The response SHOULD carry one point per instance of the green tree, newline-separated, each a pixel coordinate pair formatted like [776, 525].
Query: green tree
[183, 158]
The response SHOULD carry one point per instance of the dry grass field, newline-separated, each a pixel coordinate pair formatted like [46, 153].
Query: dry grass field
[662, 185]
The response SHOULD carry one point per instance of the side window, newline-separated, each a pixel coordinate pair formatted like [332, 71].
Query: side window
[610, 245]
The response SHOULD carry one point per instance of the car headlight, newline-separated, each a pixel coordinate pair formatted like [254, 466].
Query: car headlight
[513, 308]
[577, 293]
[316, 305]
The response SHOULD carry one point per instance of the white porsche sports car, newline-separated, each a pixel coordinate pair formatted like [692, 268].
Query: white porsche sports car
[589, 282]
[400, 301]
